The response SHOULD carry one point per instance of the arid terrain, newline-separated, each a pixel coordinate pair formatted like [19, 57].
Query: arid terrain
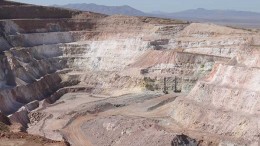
[86, 79]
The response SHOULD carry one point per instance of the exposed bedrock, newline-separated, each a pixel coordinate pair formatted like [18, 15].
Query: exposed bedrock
[46, 53]
[16, 97]
[4, 119]
[109, 51]
[226, 102]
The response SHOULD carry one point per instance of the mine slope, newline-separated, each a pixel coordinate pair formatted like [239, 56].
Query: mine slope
[92, 79]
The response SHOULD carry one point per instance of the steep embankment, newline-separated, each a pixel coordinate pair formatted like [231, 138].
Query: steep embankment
[226, 102]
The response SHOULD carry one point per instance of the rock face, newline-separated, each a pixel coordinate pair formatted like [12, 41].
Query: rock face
[4, 119]
[225, 102]
[49, 52]
[184, 141]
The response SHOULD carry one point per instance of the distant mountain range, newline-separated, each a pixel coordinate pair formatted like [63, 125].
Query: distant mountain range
[213, 15]
[109, 10]
[225, 17]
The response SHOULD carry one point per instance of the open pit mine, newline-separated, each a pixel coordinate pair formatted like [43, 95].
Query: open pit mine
[78, 78]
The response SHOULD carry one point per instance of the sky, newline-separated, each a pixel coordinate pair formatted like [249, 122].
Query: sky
[164, 5]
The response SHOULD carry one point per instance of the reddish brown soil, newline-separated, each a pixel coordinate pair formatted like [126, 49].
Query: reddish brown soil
[7, 138]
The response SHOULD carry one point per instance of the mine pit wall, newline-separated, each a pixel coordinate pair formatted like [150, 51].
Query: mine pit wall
[226, 101]
[250, 56]
[31, 73]
[6, 74]
[173, 71]
[49, 25]
[4, 44]
[21, 117]
[29, 40]
[36, 60]
[31, 70]
[32, 11]
[14, 98]
[99, 53]
[59, 93]
[20, 100]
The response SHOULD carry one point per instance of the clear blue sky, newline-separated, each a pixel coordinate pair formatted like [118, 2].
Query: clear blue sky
[164, 5]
